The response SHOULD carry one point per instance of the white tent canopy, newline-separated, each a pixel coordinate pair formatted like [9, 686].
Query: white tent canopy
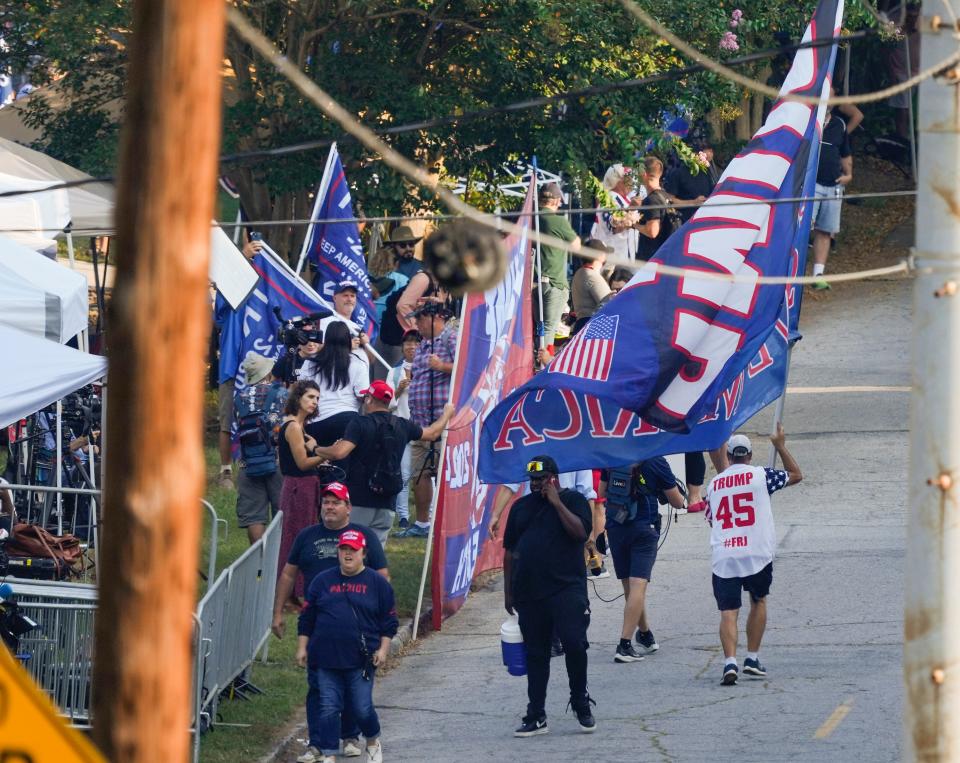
[45, 372]
[39, 296]
[90, 206]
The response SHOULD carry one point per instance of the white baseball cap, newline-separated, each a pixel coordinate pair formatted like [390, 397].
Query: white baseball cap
[739, 445]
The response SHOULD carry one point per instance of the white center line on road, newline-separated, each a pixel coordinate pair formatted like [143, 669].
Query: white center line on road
[836, 717]
[824, 390]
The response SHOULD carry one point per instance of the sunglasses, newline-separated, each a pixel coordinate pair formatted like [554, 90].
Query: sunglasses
[405, 244]
[535, 466]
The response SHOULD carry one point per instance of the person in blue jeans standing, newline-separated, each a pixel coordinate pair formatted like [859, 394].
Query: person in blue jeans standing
[344, 635]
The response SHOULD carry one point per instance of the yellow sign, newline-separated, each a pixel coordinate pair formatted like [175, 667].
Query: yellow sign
[31, 731]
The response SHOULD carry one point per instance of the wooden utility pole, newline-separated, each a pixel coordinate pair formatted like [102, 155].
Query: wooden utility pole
[159, 323]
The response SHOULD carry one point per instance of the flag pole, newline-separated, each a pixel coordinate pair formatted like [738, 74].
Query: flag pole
[434, 516]
[539, 332]
[778, 409]
[321, 195]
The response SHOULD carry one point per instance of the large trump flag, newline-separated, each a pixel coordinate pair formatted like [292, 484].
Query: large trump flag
[494, 356]
[674, 364]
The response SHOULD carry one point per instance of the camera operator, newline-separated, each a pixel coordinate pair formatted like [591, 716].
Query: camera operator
[633, 531]
[289, 364]
[429, 391]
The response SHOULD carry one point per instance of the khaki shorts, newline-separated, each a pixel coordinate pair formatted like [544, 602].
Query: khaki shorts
[225, 405]
[419, 450]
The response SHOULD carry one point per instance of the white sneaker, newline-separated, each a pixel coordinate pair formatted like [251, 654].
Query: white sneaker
[313, 755]
[375, 754]
[351, 748]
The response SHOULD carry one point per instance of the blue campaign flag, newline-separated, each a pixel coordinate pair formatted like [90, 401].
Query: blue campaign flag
[334, 249]
[254, 325]
[681, 362]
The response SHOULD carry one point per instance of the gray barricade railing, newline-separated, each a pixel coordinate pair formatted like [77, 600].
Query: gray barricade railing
[232, 623]
[61, 647]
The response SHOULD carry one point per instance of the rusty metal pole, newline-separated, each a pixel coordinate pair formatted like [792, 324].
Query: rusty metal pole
[932, 616]
[159, 324]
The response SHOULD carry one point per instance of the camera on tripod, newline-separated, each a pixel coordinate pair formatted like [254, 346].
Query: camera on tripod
[81, 410]
[294, 331]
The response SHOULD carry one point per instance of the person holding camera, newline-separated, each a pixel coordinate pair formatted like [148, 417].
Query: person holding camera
[298, 465]
[344, 635]
[631, 495]
[544, 582]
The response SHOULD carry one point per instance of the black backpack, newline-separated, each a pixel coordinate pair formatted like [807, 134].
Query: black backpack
[671, 219]
[389, 443]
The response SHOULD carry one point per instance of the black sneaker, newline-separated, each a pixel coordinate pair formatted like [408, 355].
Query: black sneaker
[530, 727]
[588, 723]
[729, 675]
[647, 642]
[753, 668]
[626, 654]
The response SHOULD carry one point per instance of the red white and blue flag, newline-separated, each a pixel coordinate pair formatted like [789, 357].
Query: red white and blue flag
[694, 357]
[334, 248]
[589, 353]
[494, 357]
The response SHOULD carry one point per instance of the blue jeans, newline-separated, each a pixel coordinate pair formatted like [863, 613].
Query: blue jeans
[339, 694]
[348, 726]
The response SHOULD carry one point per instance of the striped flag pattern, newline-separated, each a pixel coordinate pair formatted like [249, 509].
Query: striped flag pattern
[589, 354]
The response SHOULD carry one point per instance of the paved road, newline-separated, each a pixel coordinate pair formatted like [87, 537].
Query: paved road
[833, 647]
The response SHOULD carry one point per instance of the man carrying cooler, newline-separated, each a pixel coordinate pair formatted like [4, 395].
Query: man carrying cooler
[744, 542]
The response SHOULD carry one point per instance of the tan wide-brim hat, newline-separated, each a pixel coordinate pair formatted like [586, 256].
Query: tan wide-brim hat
[403, 234]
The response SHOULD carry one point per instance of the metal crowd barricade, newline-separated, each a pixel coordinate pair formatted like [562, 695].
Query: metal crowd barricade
[232, 623]
[60, 649]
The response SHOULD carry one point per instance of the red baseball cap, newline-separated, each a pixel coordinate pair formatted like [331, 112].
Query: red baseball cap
[338, 489]
[380, 390]
[352, 539]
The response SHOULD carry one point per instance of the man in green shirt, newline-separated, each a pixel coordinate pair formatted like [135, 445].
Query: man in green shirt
[552, 281]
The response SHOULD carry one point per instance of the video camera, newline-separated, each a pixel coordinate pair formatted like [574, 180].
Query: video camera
[443, 309]
[81, 410]
[294, 332]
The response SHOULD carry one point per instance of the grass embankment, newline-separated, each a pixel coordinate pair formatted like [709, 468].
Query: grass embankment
[248, 729]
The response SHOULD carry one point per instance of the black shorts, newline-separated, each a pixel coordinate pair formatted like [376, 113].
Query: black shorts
[728, 591]
[634, 548]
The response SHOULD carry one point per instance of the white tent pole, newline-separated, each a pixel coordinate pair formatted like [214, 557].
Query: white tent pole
[58, 465]
[94, 507]
[73, 262]
[321, 193]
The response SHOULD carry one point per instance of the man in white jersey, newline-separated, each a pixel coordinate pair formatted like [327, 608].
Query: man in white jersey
[744, 542]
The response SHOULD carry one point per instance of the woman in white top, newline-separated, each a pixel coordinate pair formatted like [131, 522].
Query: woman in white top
[616, 229]
[341, 377]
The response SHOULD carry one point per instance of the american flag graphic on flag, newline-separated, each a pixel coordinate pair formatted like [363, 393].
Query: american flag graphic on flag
[589, 354]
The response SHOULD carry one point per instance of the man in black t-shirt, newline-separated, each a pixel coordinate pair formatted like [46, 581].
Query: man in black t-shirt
[544, 580]
[834, 171]
[375, 442]
[656, 222]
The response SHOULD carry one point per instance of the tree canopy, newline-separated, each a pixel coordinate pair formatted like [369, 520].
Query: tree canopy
[393, 62]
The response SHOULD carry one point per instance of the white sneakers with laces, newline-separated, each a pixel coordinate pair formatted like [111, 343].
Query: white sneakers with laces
[351, 748]
[375, 753]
